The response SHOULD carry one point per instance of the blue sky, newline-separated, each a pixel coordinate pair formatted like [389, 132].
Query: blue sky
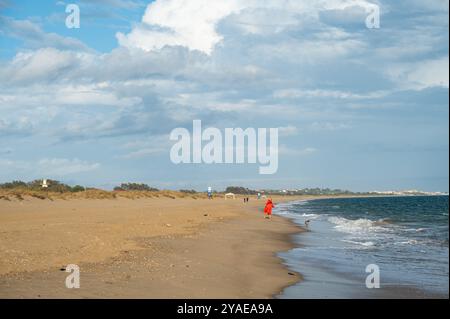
[357, 108]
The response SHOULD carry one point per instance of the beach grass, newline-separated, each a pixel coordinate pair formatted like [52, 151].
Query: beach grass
[20, 194]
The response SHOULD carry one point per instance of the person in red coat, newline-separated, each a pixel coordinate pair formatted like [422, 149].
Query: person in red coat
[268, 208]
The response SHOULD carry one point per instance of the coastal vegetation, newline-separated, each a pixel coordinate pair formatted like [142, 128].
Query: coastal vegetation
[20, 190]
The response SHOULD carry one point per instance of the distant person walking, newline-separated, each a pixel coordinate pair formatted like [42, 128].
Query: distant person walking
[268, 208]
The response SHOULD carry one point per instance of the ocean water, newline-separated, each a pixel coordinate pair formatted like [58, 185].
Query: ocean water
[406, 237]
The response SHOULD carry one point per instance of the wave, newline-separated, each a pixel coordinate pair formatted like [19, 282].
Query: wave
[358, 226]
[384, 221]
[366, 232]
[363, 243]
[408, 242]
[309, 215]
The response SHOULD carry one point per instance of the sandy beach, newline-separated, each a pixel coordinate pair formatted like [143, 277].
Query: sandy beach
[143, 248]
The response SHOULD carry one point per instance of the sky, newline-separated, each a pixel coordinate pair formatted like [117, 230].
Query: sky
[356, 108]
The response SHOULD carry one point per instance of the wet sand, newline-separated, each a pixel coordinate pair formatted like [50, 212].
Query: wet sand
[143, 248]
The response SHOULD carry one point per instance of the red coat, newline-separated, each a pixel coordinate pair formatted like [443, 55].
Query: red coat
[268, 207]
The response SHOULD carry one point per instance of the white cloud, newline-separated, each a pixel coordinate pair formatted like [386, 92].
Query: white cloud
[436, 5]
[193, 23]
[185, 23]
[34, 37]
[307, 67]
[49, 167]
[328, 126]
[289, 130]
[92, 95]
[145, 152]
[430, 73]
[323, 47]
[319, 93]
[290, 151]
[229, 58]
[147, 147]
[40, 65]
[422, 74]
[123, 4]
[19, 126]
[63, 166]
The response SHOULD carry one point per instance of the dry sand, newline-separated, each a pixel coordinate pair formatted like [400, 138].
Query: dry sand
[143, 248]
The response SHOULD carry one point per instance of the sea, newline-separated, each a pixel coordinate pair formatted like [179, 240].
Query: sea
[399, 242]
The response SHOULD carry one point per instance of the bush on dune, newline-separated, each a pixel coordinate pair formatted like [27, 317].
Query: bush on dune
[13, 184]
[188, 191]
[19, 190]
[77, 188]
[135, 187]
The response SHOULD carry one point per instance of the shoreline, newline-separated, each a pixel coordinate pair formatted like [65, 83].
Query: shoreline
[327, 282]
[144, 248]
[155, 248]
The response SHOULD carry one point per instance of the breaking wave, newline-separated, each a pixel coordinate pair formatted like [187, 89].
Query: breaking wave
[358, 226]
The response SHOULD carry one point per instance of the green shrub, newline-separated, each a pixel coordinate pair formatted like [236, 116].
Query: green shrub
[135, 187]
[77, 188]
